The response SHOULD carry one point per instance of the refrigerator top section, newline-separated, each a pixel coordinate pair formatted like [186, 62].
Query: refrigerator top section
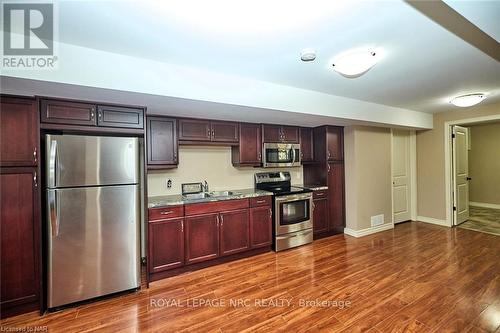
[78, 161]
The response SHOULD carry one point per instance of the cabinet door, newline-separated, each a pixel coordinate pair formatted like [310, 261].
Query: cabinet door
[64, 112]
[194, 130]
[290, 134]
[320, 216]
[202, 237]
[18, 132]
[166, 244]
[19, 239]
[271, 133]
[224, 131]
[114, 116]
[261, 220]
[249, 151]
[336, 196]
[306, 144]
[334, 143]
[234, 232]
[162, 141]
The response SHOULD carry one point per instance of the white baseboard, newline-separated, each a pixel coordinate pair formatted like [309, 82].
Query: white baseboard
[484, 205]
[433, 221]
[368, 231]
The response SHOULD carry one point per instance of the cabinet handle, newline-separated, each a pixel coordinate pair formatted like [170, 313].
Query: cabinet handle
[260, 156]
[166, 213]
[270, 213]
[260, 201]
[328, 167]
[175, 156]
[213, 133]
[92, 113]
[99, 114]
[35, 154]
[35, 181]
[329, 155]
[221, 220]
[182, 226]
[209, 133]
[217, 219]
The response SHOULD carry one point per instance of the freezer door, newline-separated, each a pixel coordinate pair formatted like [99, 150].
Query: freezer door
[93, 242]
[77, 160]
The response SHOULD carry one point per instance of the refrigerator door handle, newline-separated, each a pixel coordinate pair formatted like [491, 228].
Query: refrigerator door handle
[53, 212]
[52, 164]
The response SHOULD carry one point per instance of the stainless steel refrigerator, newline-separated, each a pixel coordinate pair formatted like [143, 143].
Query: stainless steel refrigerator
[93, 216]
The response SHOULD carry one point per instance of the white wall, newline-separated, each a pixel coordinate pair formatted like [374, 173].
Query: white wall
[212, 164]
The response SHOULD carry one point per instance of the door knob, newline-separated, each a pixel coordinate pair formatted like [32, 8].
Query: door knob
[469, 178]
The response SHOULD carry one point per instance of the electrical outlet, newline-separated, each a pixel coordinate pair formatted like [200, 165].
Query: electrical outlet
[169, 183]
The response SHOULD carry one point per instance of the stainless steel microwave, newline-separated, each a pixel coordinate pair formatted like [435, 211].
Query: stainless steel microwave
[281, 155]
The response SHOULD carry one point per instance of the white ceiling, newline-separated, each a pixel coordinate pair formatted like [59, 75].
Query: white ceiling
[423, 64]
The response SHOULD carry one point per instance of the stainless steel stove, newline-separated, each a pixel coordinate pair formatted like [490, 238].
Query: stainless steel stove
[292, 210]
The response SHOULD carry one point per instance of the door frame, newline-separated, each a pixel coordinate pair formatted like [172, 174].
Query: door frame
[448, 151]
[413, 175]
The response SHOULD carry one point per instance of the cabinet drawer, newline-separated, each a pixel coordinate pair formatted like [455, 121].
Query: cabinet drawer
[63, 112]
[114, 116]
[215, 207]
[261, 201]
[320, 194]
[165, 213]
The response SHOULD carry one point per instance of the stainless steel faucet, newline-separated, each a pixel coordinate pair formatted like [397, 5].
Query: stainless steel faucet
[205, 186]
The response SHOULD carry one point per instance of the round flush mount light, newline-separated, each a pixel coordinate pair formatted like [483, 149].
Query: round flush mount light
[353, 64]
[468, 100]
[308, 54]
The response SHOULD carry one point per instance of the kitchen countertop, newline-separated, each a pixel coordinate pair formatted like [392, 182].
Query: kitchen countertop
[313, 187]
[177, 199]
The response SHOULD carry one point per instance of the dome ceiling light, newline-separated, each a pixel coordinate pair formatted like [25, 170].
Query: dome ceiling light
[355, 63]
[468, 100]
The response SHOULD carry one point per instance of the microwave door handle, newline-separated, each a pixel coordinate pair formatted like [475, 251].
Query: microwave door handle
[293, 154]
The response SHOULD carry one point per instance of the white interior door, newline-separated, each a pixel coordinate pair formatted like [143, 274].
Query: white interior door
[401, 179]
[460, 175]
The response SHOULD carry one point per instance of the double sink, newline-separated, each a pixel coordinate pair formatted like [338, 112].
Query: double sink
[204, 195]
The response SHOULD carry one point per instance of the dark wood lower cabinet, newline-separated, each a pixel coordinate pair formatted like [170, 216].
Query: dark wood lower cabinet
[204, 234]
[261, 220]
[320, 215]
[234, 232]
[20, 241]
[202, 237]
[166, 244]
[336, 195]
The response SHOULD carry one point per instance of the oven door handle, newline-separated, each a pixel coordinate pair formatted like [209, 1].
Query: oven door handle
[290, 198]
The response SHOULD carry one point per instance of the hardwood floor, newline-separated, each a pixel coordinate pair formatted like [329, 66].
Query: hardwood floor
[417, 277]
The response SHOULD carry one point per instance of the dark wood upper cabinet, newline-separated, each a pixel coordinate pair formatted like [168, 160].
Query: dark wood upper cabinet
[334, 143]
[19, 132]
[271, 133]
[224, 131]
[162, 144]
[234, 232]
[278, 133]
[249, 150]
[194, 130]
[20, 223]
[66, 112]
[166, 244]
[336, 196]
[320, 215]
[306, 145]
[261, 226]
[115, 116]
[201, 237]
[290, 134]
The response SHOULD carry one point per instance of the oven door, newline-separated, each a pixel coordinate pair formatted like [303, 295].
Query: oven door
[293, 213]
[281, 155]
